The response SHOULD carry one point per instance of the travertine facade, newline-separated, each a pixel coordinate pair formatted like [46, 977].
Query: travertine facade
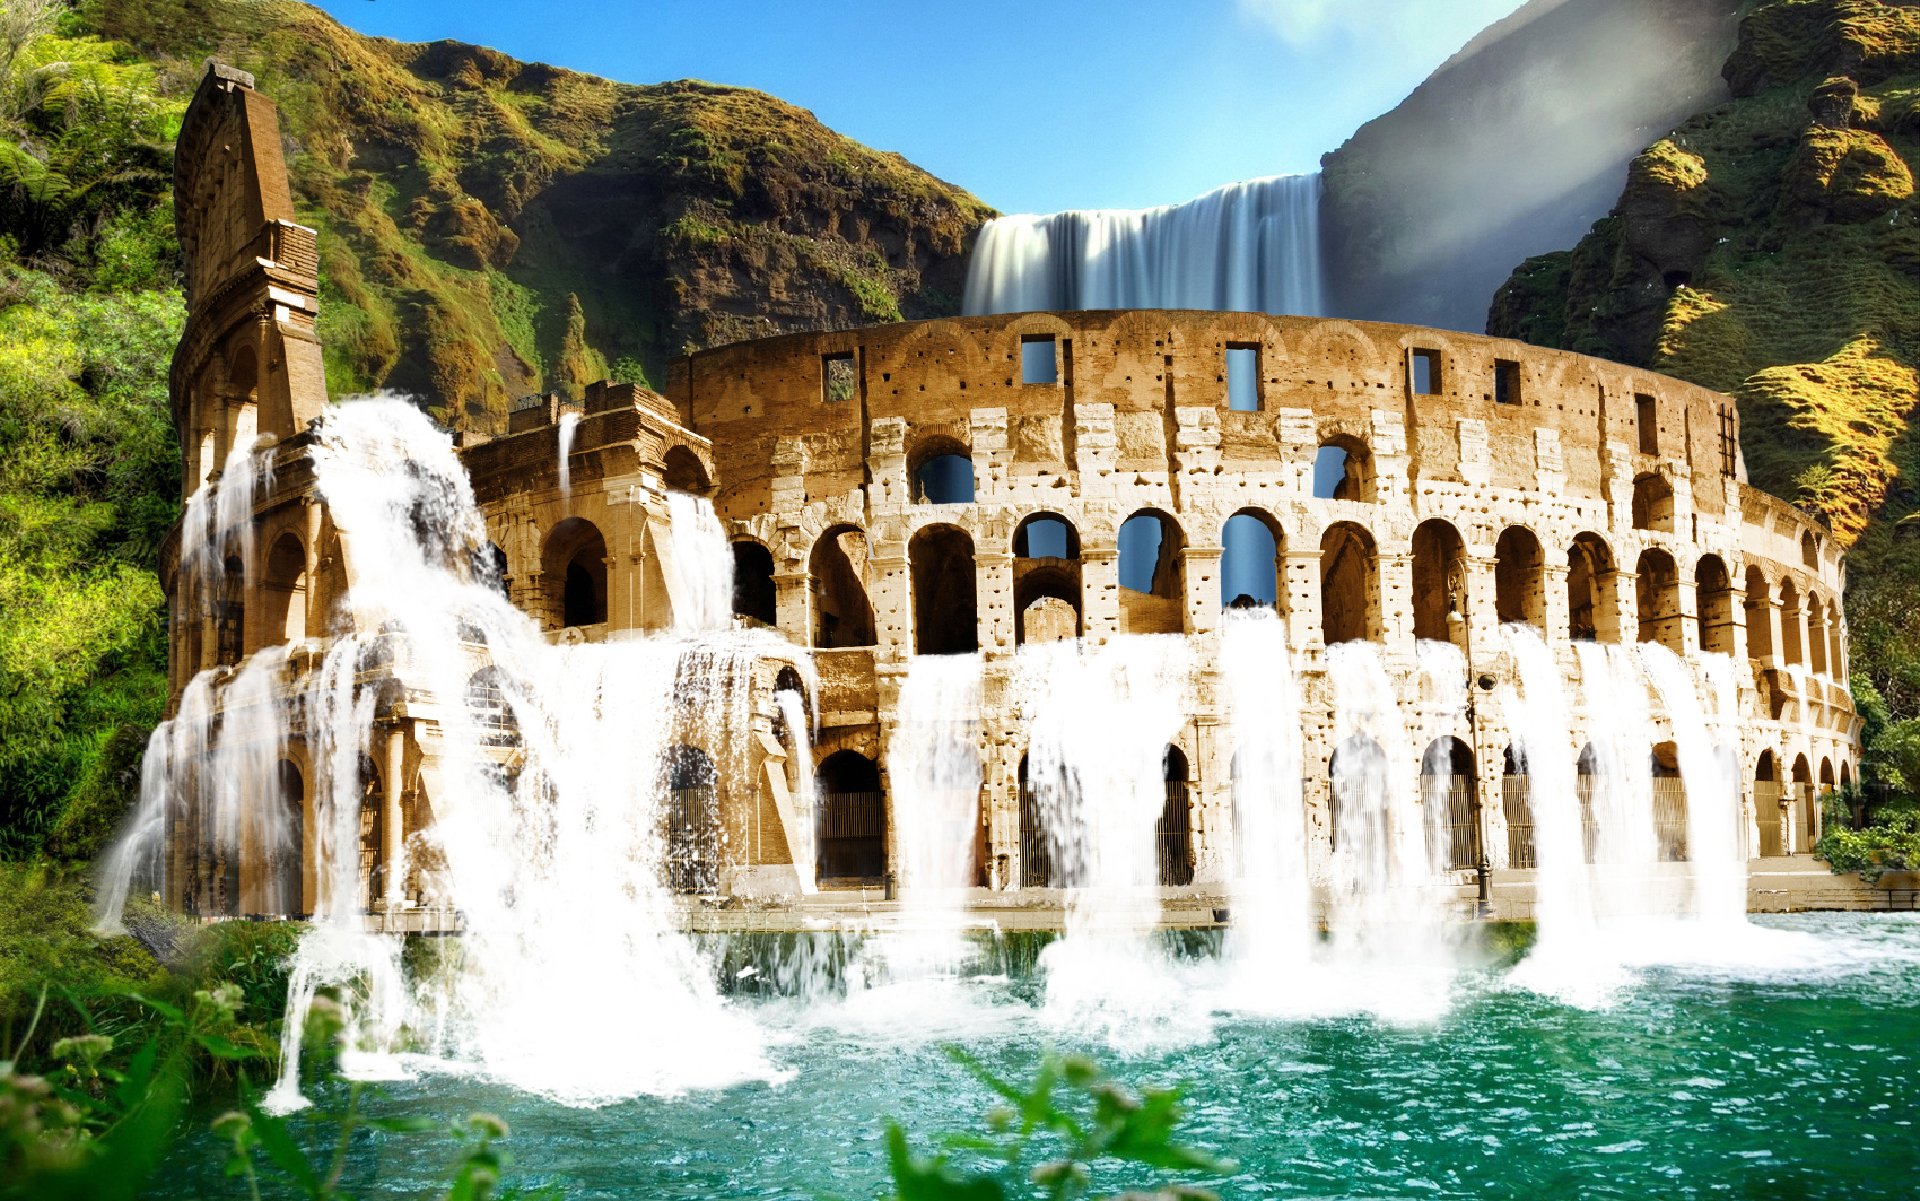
[1413, 484]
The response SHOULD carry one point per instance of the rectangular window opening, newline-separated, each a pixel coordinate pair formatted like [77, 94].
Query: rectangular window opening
[1243, 377]
[1424, 365]
[1729, 445]
[837, 376]
[1039, 364]
[1506, 382]
[1646, 415]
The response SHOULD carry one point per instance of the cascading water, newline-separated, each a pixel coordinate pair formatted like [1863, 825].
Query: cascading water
[701, 580]
[1716, 847]
[805, 795]
[1099, 721]
[569, 422]
[936, 784]
[1270, 943]
[1251, 246]
[1617, 821]
[1390, 949]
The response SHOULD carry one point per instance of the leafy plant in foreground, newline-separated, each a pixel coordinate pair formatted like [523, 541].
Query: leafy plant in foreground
[1069, 1119]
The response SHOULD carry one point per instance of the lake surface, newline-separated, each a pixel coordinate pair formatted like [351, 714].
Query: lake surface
[1792, 1078]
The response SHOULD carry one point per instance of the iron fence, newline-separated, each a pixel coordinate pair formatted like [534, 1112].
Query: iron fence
[853, 828]
[1174, 836]
[1516, 802]
[1670, 818]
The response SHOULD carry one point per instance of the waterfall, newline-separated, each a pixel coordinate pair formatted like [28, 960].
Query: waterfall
[702, 565]
[569, 422]
[1271, 940]
[1716, 843]
[805, 797]
[1099, 722]
[934, 751]
[1252, 246]
[1617, 808]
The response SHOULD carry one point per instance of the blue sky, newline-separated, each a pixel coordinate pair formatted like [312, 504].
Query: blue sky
[1034, 106]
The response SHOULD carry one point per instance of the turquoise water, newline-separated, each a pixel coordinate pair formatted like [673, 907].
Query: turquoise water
[1769, 1082]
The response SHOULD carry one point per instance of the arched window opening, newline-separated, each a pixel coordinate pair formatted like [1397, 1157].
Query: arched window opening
[842, 615]
[492, 715]
[1713, 594]
[1809, 551]
[753, 596]
[1653, 503]
[853, 822]
[1792, 650]
[1767, 798]
[575, 564]
[1439, 583]
[1174, 831]
[1036, 841]
[1586, 785]
[1516, 802]
[288, 854]
[1592, 598]
[945, 616]
[1520, 578]
[373, 820]
[1759, 607]
[230, 612]
[941, 471]
[684, 472]
[1250, 566]
[1349, 585]
[1669, 804]
[1817, 635]
[1447, 786]
[1046, 579]
[1357, 773]
[1836, 661]
[1657, 594]
[1343, 470]
[283, 592]
[692, 822]
[1152, 577]
[1804, 818]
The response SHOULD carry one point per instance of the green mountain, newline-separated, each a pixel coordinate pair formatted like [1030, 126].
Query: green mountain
[1770, 248]
[491, 227]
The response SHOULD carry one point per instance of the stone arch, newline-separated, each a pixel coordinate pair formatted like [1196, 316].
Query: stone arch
[1805, 803]
[574, 567]
[1046, 579]
[1343, 469]
[940, 470]
[1656, 589]
[945, 603]
[1669, 803]
[1652, 503]
[1593, 600]
[1173, 832]
[690, 823]
[1713, 596]
[753, 591]
[1792, 651]
[283, 591]
[1447, 788]
[245, 421]
[1809, 551]
[1152, 574]
[682, 470]
[1520, 578]
[490, 709]
[1252, 574]
[852, 835]
[1836, 654]
[1439, 583]
[1349, 585]
[287, 856]
[1759, 607]
[230, 611]
[1516, 805]
[837, 567]
[1816, 634]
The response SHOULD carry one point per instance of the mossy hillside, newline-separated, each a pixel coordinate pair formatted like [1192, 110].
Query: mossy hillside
[490, 227]
[1770, 248]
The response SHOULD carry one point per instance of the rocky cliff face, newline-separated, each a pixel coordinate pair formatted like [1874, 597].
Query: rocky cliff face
[1770, 248]
[1513, 147]
[491, 227]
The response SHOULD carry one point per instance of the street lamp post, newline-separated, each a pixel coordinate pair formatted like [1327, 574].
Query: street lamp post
[1483, 866]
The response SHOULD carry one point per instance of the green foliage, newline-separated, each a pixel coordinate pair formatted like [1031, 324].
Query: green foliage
[1049, 1138]
[1890, 844]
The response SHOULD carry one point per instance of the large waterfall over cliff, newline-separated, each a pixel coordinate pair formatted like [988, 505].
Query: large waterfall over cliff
[1250, 246]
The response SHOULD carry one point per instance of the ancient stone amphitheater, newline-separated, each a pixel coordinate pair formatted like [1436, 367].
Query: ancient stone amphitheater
[982, 484]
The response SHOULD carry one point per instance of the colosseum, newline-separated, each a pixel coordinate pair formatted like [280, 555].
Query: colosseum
[981, 484]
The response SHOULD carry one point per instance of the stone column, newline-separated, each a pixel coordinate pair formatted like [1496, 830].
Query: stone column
[1100, 592]
[993, 589]
[1557, 615]
[892, 598]
[1686, 601]
[793, 605]
[1737, 621]
[1202, 573]
[1394, 600]
[317, 603]
[1300, 576]
[1626, 608]
[392, 829]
